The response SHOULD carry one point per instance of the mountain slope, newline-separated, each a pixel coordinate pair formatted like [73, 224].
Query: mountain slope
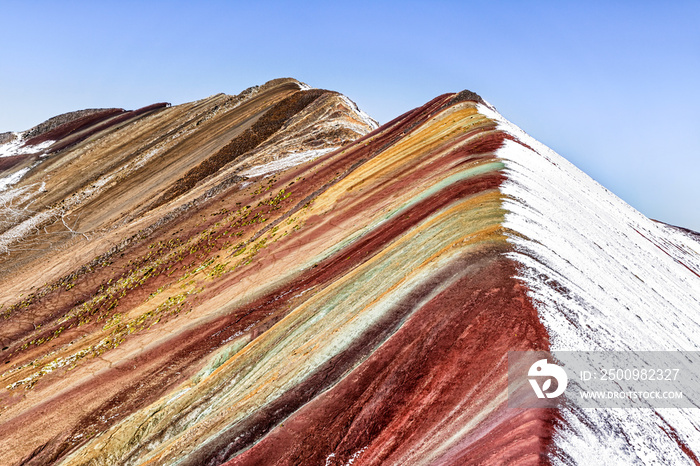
[605, 278]
[256, 297]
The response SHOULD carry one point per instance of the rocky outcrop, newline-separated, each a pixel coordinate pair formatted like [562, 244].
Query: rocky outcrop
[65, 118]
[7, 137]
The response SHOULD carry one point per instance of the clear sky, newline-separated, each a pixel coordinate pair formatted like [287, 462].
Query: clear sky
[612, 86]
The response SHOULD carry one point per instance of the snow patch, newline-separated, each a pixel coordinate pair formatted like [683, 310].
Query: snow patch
[12, 179]
[286, 162]
[17, 147]
[366, 119]
[355, 456]
[23, 229]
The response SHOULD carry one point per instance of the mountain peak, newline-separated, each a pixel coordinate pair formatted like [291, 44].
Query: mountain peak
[467, 95]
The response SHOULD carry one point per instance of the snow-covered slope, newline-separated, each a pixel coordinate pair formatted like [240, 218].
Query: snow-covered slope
[602, 277]
[17, 146]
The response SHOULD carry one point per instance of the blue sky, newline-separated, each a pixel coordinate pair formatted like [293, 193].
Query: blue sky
[612, 86]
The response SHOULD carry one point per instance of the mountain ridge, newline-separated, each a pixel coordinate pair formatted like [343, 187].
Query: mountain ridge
[329, 298]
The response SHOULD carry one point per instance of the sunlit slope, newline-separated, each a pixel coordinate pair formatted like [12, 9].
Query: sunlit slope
[79, 228]
[283, 296]
[124, 170]
[357, 305]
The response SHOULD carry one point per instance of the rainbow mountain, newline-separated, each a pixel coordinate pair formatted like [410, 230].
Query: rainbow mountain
[270, 278]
